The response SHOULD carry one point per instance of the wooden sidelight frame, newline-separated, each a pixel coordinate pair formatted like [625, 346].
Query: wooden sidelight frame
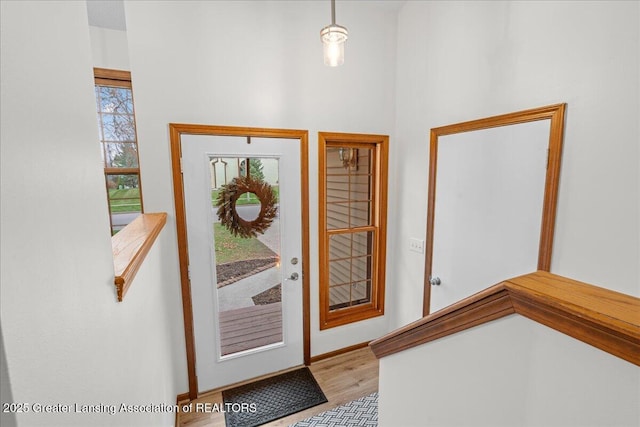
[379, 146]
[554, 113]
[176, 131]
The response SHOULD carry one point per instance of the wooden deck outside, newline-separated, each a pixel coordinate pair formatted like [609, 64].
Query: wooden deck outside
[250, 327]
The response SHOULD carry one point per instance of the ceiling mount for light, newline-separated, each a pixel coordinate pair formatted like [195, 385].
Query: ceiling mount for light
[333, 38]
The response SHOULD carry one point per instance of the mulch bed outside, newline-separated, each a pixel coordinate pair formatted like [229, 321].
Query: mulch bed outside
[233, 271]
[269, 296]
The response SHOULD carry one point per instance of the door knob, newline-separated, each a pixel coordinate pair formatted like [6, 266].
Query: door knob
[435, 281]
[294, 276]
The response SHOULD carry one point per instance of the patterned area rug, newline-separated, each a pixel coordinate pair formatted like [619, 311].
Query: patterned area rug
[272, 398]
[359, 412]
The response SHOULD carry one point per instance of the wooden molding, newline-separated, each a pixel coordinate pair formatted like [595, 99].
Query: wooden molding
[110, 74]
[182, 398]
[600, 317]
[131, 245]
[176, 130]
[108, 77]
[379, 146]
[338, 352]
[554, 113]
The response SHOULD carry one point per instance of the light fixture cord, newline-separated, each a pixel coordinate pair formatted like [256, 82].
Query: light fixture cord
[333, 12]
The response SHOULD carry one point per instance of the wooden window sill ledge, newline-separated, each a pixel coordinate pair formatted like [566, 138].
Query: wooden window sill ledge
[131, 245]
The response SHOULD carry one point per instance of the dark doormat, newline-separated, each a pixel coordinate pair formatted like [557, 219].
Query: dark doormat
[272, 398]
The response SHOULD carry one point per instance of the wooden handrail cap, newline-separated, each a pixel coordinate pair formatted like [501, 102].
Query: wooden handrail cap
[600, 317]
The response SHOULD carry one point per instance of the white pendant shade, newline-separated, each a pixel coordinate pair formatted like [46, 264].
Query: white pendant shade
[333, 38]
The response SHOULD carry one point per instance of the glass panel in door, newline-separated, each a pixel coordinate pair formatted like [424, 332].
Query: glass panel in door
[248, 277]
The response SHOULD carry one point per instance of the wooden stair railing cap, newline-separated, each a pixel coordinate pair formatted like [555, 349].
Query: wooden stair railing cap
[600, 317]
[131, 245]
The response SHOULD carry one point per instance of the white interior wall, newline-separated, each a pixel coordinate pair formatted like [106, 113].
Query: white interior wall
[462, 60]
[67, 340]
[7, 418]
[522, 54]
[109, 48]
[259, 64]
[510, 372]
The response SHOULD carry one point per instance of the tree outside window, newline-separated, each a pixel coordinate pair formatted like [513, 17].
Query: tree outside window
[119, 147]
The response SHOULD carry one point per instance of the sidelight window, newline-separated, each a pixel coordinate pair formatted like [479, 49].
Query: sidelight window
[353, 175]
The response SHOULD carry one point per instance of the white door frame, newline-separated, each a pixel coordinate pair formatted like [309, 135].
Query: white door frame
[554, 113]
[176, 130]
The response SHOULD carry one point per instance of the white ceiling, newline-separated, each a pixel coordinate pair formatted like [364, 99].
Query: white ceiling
[110, 13]
[106, 14]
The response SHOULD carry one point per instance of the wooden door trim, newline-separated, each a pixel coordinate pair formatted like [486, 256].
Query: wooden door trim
[175, 132]
[554, 113]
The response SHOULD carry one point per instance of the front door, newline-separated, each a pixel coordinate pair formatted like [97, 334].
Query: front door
[244, 244]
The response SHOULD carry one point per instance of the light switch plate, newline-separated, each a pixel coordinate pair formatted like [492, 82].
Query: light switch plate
[416, 245]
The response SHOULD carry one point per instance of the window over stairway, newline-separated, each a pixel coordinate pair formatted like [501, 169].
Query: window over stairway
[119, 146]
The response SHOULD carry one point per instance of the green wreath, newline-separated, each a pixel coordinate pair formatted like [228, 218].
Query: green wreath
[228, 215]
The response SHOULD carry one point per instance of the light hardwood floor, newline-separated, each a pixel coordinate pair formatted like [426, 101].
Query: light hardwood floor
[342, 378]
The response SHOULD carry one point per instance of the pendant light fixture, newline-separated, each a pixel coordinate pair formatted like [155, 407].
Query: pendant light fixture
[333, 38]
